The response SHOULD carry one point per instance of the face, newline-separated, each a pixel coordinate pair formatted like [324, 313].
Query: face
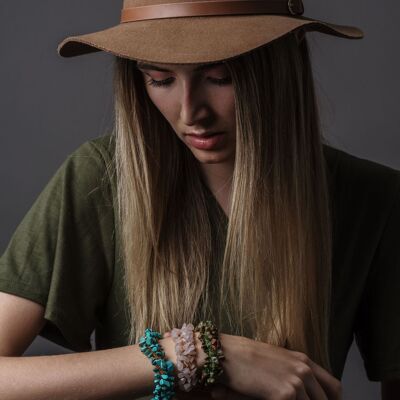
[195, 98]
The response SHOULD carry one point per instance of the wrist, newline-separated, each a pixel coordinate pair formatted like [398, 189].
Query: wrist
[168, 346]
[224, 377]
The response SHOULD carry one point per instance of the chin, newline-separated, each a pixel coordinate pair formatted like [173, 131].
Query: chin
[215, 158]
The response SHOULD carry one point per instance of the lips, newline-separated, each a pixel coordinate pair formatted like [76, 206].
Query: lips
[201, 135]
[210, 142]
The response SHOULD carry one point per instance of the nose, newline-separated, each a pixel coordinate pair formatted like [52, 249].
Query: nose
[194, 104]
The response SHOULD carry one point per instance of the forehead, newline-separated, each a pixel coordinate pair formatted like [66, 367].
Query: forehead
[176, 67]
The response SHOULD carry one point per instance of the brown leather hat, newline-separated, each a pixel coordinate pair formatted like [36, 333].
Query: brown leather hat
[185, 31]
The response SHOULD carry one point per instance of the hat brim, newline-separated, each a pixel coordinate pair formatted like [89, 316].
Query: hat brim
[184, 41]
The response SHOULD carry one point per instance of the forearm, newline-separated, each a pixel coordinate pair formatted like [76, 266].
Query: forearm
[119, 373]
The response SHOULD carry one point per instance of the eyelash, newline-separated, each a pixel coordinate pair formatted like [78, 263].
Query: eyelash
[167, 82]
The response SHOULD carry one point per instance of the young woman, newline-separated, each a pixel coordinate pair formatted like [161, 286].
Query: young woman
[216, 197]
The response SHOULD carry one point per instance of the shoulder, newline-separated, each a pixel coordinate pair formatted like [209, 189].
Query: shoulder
[365, 196]
[353, 175]
[90, 163]
[100, 148]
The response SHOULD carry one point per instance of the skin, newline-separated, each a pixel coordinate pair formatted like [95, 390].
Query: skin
[194, 101]
[218, 391]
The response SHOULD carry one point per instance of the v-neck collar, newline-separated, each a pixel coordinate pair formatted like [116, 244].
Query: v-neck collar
[331, 156]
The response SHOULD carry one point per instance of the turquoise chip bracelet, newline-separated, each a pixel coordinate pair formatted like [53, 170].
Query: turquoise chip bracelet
[164, 378]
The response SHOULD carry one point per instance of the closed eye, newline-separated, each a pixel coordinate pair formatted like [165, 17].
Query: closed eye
[168, 82]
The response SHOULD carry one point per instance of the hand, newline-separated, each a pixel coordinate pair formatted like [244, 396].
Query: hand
[269, 372]
[217, 391]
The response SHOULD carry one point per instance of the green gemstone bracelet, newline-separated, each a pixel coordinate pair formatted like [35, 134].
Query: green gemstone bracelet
[210, 343]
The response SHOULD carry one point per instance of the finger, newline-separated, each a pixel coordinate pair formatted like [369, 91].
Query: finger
[301, 393]
[328, 382]
[308, 387]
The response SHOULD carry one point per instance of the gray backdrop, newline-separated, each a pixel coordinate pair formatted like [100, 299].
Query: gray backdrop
[50, 105]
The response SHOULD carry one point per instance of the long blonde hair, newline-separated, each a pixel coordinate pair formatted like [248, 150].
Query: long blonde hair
[265, 270]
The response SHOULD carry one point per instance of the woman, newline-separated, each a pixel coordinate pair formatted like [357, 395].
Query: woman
[150, 226]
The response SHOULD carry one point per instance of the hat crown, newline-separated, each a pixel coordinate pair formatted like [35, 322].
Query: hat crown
[140, 3]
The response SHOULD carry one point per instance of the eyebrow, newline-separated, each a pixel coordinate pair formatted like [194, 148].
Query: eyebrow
[202, 67]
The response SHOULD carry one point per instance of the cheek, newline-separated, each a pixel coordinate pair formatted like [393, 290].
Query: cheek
[228, 108]
[232, 106]
[161, 101]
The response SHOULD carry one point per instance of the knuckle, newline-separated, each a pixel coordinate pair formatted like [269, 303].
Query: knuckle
[287, 392]
[297, 383]
[302, 370]
[301, 357]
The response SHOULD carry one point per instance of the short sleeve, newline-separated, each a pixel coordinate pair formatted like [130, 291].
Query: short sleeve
[62, 253]
[377, 328]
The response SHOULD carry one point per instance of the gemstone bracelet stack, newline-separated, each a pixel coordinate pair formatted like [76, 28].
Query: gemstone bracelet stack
[188, 374]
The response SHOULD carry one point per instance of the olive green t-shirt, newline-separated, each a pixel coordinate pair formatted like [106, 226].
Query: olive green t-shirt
[64, 256]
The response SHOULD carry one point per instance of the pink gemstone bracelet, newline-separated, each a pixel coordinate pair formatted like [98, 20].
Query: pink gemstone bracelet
[185, 356]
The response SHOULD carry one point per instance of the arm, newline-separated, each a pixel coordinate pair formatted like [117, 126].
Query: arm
[21, 320]
[103, 374]
[119, 373]
[390, 389]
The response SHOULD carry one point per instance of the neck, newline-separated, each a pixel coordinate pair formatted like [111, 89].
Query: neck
[218, 178]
